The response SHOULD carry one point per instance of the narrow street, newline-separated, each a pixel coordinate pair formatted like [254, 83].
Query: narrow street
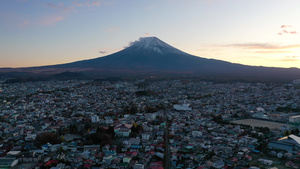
[167, 146]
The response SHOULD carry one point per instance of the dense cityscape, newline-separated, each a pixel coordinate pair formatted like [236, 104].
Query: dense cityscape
[149, 124]
[163, 84]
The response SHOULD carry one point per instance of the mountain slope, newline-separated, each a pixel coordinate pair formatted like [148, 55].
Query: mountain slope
[150, 55]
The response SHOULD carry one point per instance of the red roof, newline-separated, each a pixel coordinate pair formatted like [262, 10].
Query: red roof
[158, 163]
[51, 162]
[151, 152]
[234, 159]
[134, 153]
[87, 165]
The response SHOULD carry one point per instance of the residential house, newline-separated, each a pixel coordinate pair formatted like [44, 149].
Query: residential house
[8, 162]
[218, 164]
[91, 147]
[123, 131]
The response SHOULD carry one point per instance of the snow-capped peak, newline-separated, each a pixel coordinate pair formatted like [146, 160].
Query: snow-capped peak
[154, 44]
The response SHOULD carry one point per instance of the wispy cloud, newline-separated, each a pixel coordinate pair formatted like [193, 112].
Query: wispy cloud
[87, 3]
[59, 14]
[102, 52]
[51, 20]
[96, 3]
[63, 11]
[265, 46]
[286, 26]
[146, 34]
[55, 6]
[286, 29]
[61, 7]
[290, 59]
[272, 51]
[77, 3]
[259, 48]
[243, 57]
[47, 13]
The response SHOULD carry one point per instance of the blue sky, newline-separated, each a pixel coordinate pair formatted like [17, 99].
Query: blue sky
[252, 32]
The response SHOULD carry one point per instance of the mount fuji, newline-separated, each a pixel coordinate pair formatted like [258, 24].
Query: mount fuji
[151, 56]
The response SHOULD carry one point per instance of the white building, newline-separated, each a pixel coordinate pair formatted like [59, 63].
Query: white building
[218, 164]
[139, 166]
[196, 133]
[294, 119]
[150, 116]
[108, 120]
[123, 130]
[95, 119]
[296, 82]
[265, 161]
[261, 116]
[184, 107]
[146, 136]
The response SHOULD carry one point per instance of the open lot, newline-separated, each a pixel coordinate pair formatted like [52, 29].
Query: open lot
[260, 123]
[279, 163]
